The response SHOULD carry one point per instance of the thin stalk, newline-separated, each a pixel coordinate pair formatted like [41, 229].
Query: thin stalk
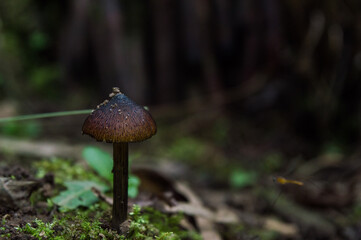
[120, 184]
[45, 115]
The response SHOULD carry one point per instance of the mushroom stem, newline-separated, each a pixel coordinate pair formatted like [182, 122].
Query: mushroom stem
[120, 184]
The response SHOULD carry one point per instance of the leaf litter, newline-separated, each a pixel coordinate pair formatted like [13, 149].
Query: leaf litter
[208, 211]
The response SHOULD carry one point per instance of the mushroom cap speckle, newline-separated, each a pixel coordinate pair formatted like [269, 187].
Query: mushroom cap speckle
[119, 120]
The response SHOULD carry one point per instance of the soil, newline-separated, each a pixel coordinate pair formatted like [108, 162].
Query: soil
[19, 216]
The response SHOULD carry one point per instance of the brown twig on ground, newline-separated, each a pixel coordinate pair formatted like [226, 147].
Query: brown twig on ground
[102, 196]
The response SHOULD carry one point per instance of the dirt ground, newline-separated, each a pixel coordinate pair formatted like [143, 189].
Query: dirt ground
[214, 212]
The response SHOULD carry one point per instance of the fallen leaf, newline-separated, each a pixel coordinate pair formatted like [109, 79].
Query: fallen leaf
[286, 229]
[78, 193]
[206, 222]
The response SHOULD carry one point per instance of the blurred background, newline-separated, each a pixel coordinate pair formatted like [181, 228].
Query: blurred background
[287, 67]
[232, 84]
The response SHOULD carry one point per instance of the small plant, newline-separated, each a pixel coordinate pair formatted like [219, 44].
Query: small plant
[79, 181]
[102, 163]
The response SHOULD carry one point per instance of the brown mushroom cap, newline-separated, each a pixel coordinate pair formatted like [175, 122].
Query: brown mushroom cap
[119, 120]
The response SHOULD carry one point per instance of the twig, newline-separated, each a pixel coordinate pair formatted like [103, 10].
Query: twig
[102, 197]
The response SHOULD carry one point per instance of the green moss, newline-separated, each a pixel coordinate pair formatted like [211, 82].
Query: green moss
[145, 224]
[188, 149]
[152, 224]
[76, 225]
[40, 230]
[64, 170]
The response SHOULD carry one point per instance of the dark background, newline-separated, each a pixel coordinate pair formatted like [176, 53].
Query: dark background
[289, 69]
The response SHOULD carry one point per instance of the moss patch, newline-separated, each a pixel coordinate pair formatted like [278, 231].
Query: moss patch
[93, 224]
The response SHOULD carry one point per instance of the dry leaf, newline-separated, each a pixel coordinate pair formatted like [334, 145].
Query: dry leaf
[281, 227]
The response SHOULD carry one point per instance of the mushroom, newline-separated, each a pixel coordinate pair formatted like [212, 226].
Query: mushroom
[119, 121]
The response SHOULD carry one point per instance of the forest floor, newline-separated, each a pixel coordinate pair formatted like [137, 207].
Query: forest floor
[203, 183]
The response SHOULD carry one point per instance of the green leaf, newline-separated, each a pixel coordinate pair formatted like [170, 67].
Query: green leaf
[100, 161]
[78, 193]
[133, 184]
[241, 178]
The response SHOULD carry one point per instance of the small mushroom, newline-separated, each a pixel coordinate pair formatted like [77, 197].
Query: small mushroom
[119, 121]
